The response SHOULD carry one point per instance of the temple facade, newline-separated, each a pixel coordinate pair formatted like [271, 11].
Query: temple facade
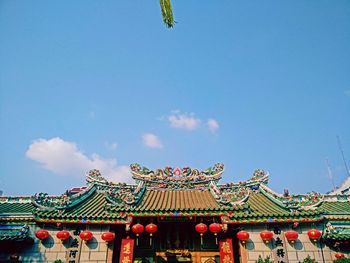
[175, 215]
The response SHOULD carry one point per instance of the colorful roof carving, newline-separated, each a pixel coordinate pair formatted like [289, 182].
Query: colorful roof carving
[337, 231]
[177, 178]
[295, 202]
[90, 210]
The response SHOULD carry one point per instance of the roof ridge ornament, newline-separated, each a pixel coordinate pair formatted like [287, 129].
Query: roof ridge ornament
[45, 202]
[176, 178]
[260, 176]
[308, 201]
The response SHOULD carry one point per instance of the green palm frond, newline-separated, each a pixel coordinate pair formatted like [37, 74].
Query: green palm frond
[167, 13]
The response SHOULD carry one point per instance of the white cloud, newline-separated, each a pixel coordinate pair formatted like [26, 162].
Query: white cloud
[64, 158]
[152, 141]
[183, 120]
[213, 125]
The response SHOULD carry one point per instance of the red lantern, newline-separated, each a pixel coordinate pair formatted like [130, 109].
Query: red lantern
[339, 255]
[201, 229]
[137, 229]
[42, 234]
[63, 235]
[215, 228]
[266, 236]
[108, 236]
[86, 235]
[243, 236]
[291, 235]
[314, 234]
[151, 229]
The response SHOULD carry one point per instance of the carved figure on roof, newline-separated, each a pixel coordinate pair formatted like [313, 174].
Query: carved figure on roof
[330, 228]
[44, 200]
[186, 171]
[94, 175]
[258, 173]
[217, 168]
[177, 178]
[168, 171]
[229, 195]
[159, 173]
[146, 171]
[300, 201]
[121, 196]
[135, 167]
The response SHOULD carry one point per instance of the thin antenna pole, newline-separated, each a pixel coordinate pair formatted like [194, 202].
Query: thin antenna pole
[330, 175]
[342, 154]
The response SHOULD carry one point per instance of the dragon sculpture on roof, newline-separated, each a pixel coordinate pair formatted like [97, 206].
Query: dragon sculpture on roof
[176, 178]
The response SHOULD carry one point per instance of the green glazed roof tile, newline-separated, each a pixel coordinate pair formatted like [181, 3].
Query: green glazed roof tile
[14, 232]
[15, 208]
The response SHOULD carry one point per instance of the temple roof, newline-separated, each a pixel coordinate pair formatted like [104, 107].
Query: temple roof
[178, 192]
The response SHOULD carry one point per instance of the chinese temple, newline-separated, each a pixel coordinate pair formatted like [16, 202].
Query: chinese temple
[175, 215]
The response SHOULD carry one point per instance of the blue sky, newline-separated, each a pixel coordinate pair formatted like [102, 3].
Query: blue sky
[104, 84]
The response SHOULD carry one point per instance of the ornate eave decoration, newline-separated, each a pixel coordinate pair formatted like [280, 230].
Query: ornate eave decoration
[117, 194]
[309, 201]
[336, 232]
[44, 202]
[238, 193]
[229, 196]
[176, 178]
[14, 232]
[15, 199]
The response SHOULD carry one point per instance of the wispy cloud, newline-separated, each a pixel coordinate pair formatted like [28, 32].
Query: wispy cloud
[64, 158]
[152, 141]
[92, 114]
[347, 92]
[111, 145]
[187, 121]
[213, 125]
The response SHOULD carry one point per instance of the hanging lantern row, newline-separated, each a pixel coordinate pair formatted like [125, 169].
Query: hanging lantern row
[64, 235]
[215, 228]
[138, 229]
[201, 228]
